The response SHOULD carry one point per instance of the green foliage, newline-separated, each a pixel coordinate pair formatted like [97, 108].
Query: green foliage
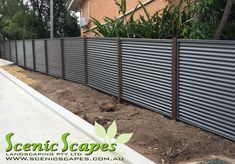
[229, 33]
[18, 27]
[188, 20]
[17, 21]
[30, 20]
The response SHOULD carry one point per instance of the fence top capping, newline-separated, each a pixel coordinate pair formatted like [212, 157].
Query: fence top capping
[53, 39]
[134, 40]
[72, 38]
[131, 39]
[101, 38]
[206, 41]
[146, 40]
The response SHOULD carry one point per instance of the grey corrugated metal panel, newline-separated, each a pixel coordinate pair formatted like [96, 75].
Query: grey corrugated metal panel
[20, 53]
[207, 85]
[40, 56]
[29, 54]
[202, 106]
[207, 126]
[2, 50]
[102, 64]
[54, 57]
[7, 50]
[209, 42]
[147, 73]
[74, 59]
[13, 51]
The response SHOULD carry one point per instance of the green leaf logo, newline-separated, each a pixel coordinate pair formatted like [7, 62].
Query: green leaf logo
[112, 130]
[111, 134]
[100, 130]
[124, 138]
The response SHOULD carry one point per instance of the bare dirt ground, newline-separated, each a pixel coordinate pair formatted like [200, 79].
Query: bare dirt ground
[156, 137]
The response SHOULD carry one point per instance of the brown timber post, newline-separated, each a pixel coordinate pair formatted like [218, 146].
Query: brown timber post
[85, 61]
[24, 53]
[174, 78]
[34, 57]
[119, 71]
[46, 56]
[16, 52]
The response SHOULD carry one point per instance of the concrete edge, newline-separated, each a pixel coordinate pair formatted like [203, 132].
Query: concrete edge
[130, 156]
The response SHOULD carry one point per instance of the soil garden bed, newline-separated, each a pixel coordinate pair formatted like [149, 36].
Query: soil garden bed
[155, 136]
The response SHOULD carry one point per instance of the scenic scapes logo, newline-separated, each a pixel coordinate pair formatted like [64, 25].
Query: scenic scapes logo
[66, 151]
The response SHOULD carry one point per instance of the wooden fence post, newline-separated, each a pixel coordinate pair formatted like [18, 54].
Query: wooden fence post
[24, 53]
[174, 78]
[34, 58]
[85, 61]
[16, 52]
[119, 71]
[46, 56]
[62, 58]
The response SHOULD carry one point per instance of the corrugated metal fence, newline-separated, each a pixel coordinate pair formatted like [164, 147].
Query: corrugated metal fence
[207, 85]
[191, 81]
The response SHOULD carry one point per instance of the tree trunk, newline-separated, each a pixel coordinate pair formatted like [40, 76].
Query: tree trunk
[224, 19]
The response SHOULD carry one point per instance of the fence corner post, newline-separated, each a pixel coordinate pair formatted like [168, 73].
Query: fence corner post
[85, 61]
[62, 58]
[46, 56]
[174, 78]
[34, 57]
[119, 71]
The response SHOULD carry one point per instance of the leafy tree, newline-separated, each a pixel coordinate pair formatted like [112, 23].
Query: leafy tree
[21, 26]
[17, 21]
[228, 29]
[29, 19]
[64, 22]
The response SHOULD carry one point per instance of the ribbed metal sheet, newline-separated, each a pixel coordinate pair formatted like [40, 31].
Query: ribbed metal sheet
[40, 56]
[146, 73]
[102, 64]
[13, 51]
[74, 59]
[207, 85]
[29, 54]
[54, 57]
[20, 52]
[7, 50]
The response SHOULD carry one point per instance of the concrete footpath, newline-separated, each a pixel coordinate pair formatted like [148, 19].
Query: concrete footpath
[33, 118]
[4, 62]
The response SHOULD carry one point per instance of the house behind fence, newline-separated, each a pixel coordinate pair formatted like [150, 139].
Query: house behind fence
[188, 80]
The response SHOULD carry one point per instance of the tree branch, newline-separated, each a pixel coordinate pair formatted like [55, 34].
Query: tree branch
[224, 19]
